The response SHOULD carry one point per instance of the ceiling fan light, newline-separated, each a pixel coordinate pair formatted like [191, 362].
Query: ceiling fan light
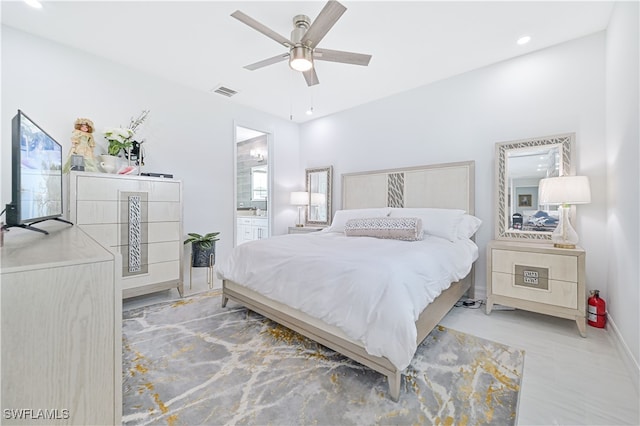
[523, 40]
[34, 3]
[300, 59]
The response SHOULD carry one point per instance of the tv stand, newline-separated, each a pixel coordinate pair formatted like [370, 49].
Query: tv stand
[33, 228]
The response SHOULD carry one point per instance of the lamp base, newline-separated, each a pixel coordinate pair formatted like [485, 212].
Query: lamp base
[564, 236]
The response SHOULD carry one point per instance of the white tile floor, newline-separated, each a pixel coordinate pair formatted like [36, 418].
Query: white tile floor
[567, 379]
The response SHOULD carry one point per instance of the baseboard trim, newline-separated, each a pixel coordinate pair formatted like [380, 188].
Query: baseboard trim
[630, 363]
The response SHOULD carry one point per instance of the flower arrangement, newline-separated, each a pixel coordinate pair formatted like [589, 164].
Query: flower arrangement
[121, 138]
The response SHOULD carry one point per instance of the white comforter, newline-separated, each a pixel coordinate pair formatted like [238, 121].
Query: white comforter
[372, 289]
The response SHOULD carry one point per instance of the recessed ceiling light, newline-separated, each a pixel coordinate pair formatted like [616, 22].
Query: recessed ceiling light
[310, 111]
[34, 3]
[524, 40]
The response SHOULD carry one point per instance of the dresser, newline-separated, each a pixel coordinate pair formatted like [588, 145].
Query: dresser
[539, 278]
[137, 216]
[61, 328]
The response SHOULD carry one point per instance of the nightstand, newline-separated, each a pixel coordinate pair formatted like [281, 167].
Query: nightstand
[538, 278]
[302, 229]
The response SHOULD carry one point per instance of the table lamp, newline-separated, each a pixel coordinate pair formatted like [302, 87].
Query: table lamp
[300, 199]
[565, 191]
[317, 199]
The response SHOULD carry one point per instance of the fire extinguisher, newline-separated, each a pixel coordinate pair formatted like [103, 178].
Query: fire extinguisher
[597, 314]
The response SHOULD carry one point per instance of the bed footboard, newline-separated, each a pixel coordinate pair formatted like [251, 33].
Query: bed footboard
[334, 338]
[314, 329]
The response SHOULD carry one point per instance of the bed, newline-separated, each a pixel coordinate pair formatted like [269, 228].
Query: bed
[316, 300]
[540, 220]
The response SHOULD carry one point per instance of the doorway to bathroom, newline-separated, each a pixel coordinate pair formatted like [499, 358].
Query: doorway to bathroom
[252, 184]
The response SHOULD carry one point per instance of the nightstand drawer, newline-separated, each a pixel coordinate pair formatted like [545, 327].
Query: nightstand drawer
[560, 268]
[557, 293]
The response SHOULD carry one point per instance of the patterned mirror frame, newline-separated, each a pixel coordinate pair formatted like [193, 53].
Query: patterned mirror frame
[329, 195]
[567, 144]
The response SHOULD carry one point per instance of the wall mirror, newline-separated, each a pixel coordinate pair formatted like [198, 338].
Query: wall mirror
[259, 183]
[519, 167]
[319, 187]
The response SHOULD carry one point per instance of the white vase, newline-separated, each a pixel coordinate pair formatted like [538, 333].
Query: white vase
[109, 163]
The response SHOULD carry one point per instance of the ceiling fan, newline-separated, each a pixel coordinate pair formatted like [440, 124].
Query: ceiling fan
[304, 40]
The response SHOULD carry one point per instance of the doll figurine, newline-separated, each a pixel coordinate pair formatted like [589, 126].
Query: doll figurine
[82, 143]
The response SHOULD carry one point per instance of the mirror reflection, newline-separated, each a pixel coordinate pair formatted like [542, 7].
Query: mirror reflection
[520, 166]
[525, 168]
[259, 183]
[319, 181]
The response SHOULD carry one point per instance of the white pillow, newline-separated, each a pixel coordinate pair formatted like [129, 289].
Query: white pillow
[441, 223]
[468, 226]
[341, 217]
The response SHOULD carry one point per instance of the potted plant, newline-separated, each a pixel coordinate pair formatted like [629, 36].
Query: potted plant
[121, 138]
[202, 248]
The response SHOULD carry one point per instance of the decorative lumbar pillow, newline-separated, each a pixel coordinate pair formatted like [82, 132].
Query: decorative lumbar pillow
[441, 223]
[341, 217]
[397, 228]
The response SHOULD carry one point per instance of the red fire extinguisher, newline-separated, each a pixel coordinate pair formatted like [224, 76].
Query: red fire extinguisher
[597, 315]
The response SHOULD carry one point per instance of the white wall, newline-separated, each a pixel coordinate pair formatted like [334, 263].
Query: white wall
[623, 157]
[555, 90]
[190, 134]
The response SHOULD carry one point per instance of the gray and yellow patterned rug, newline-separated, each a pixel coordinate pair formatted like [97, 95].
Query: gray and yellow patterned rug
[192, 362]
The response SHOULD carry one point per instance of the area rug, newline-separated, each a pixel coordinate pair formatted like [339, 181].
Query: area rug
[191, 362]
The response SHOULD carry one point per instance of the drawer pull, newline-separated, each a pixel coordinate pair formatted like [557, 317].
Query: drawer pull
[531, 277]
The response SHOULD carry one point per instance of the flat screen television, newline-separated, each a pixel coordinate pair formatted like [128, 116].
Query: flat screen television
[36, 175]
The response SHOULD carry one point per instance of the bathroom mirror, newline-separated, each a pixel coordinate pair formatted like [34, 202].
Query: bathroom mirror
[259, 183]
[319, 186]
[519, 167]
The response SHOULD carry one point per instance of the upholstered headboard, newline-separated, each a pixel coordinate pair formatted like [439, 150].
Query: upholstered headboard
[447, 185]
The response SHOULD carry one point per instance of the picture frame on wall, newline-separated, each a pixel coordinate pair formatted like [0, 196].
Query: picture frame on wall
[524, 200]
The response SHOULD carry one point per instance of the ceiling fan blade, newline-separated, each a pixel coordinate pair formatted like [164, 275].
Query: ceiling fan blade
[327, 18]
[311, 77]
[269, 61]
[261, 28]
[341, 56]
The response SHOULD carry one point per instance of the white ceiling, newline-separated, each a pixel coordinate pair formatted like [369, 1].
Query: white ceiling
[414, 43]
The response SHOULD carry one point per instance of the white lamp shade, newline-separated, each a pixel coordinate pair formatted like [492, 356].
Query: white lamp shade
[564, 190]
[299, 198]
[317, 198]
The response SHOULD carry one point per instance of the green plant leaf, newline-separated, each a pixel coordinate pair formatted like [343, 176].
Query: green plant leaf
[204, 241]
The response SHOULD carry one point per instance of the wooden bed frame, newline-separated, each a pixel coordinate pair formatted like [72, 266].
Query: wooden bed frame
[448, 185]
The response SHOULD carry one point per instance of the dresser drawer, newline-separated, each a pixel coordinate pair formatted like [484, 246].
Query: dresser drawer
[97, 188]
[557, 293]
[560, 268]
[90, 212]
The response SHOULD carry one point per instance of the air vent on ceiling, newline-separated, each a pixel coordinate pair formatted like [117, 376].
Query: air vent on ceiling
[224, 91]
